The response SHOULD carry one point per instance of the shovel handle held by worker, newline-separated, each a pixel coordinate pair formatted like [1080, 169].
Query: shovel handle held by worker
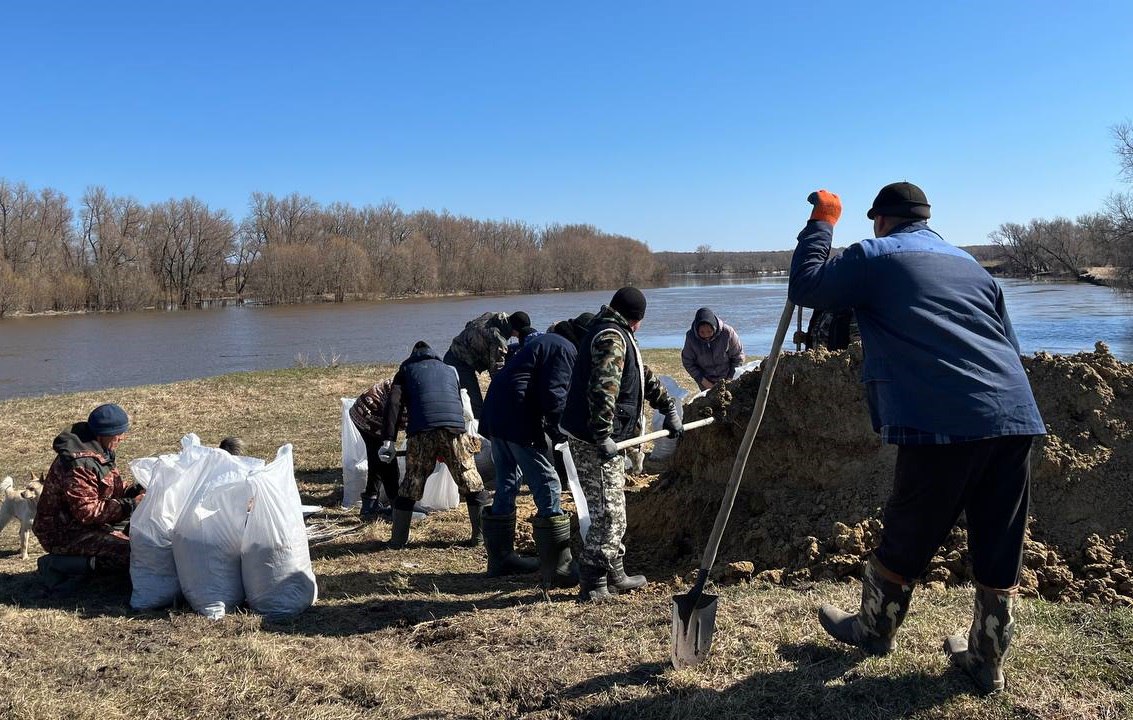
[658, 434]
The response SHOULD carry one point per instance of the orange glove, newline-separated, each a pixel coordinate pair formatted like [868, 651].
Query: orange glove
[827, 206]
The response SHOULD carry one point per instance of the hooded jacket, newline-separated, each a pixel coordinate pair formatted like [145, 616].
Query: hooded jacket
[83, 490]
[717, 357]
[530, 392]
[430, 390]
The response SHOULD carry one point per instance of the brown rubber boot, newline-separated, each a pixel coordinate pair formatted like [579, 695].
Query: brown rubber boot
[885, 600]
[981, 654]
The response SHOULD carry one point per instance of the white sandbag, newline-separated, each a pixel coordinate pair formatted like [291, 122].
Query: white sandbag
[153, 571]
[275, 560]
[441, 492]
[746, 368]
[353, 458]
[665, 447]
[208, 533]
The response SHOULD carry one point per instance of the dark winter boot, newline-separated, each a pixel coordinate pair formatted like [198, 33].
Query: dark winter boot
[592, 584]
[981, 654]
[399, 536]
[499, 541]
[552, 542]
[619, 581]
[369, 511]
[475, 507]
[62, 574]
[885, 600]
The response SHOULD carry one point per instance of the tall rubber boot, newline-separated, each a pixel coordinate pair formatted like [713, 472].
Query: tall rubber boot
[885, 600]
[369, 511]
[499, 541]
[475, 508]
[592, 584]
[63, 573]
[617, 579]
[402, 516]
[552, 542]
[981, 654]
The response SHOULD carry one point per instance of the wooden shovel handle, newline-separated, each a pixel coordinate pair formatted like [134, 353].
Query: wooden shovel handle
[709, 557]
[658, 434]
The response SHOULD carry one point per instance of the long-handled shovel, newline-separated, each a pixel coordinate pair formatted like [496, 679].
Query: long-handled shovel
[694, 613]
[580, 506]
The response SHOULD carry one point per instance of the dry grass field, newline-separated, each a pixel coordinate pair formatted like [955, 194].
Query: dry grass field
[421, 633]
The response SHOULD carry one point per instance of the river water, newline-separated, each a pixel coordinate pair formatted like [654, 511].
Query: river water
[65, 353]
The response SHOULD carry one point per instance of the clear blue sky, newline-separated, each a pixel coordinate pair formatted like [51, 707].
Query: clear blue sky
[676, 123]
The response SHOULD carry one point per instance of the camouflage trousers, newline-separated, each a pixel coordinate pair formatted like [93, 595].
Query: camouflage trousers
[455, 450]
[111, 547]
[603, 483]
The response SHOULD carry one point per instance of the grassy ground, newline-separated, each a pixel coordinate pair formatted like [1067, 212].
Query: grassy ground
[421, 633]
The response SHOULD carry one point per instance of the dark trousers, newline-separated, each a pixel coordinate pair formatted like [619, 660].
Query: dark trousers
[379, 472]
[469, 380]
[989, 480]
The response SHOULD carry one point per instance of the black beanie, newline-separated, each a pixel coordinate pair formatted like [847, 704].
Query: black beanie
[629, 302]
[420, 345]
[900, 199]
[519, 320]
[108, 420]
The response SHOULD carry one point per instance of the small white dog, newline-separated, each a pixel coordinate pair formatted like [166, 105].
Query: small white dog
[20, 505]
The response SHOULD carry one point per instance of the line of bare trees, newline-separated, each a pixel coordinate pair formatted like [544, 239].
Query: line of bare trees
[1068, 247]
[706, 260]
[114, 253]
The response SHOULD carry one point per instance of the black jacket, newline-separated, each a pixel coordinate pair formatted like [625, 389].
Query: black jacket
[530, 391]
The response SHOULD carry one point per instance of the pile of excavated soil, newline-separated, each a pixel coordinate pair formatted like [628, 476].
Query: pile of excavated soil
[810, 503]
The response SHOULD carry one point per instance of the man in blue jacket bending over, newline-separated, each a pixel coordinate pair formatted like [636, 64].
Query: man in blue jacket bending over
[945, 384]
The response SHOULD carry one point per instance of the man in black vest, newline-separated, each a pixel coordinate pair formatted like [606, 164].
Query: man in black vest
[608, 391]
[430, 390]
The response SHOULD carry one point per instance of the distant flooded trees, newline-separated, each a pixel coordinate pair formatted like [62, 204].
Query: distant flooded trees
[117, 254]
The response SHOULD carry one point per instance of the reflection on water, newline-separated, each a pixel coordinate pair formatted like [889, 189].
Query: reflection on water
[78, 352]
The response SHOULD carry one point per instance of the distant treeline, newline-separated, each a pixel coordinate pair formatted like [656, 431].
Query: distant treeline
[114, 253]
[706, 260]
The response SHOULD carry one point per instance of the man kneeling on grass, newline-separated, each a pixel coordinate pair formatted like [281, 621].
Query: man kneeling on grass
[84, 499]
[430, 391]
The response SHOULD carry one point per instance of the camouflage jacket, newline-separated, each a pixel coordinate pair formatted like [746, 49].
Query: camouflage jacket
[482, 344]
[614, 384]
[83, 489]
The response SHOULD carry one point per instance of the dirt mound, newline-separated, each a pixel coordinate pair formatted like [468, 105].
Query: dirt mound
[810, 503]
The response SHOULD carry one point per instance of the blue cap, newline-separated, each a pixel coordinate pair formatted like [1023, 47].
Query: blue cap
[108, 420]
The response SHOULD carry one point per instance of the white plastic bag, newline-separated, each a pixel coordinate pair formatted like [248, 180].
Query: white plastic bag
[208, 533]
[665, 447]
[275, 559]
[153, 572]
[441, 492]
[353, 458]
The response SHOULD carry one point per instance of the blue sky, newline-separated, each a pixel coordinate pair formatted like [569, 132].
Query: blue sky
[676, 123]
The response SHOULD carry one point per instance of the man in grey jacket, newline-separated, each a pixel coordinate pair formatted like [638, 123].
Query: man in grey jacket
[712, 350]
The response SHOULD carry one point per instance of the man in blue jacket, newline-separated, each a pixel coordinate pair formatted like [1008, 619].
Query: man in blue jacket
[521, 417]
[430, 391]
[946, 385]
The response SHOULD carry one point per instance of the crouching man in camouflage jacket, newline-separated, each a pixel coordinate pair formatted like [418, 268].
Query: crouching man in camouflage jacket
[608, 391]
[83, 498]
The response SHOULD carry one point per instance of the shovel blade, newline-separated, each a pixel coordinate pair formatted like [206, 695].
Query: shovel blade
[694, 619]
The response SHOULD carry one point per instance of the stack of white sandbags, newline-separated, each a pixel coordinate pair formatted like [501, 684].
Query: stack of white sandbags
[219, 528]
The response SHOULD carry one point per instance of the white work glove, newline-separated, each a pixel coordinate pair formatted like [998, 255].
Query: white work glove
[386, 454]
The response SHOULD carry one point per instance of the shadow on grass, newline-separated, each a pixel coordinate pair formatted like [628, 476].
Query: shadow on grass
[823, 682]
[99, 596]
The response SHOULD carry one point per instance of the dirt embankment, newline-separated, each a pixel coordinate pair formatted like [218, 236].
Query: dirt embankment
[810, 503]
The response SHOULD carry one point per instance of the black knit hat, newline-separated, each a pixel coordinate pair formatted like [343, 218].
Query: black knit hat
[900, 199]
[519, 320]
[629, 302]
[108, 420]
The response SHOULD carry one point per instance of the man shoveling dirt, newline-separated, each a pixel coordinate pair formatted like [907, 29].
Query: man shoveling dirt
[946, 385]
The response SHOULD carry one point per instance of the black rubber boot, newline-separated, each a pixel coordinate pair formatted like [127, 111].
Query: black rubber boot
[475, 507]
[592, 584]
[619, 581]
[62, 574]
[981, 654]
[499, 541]
[369, 511]
[884, 604]
[552, 542]
[402, 516]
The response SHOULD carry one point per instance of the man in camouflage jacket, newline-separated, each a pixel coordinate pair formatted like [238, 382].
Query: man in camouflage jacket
[608, 391]
[84, 496]
[480, 347]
